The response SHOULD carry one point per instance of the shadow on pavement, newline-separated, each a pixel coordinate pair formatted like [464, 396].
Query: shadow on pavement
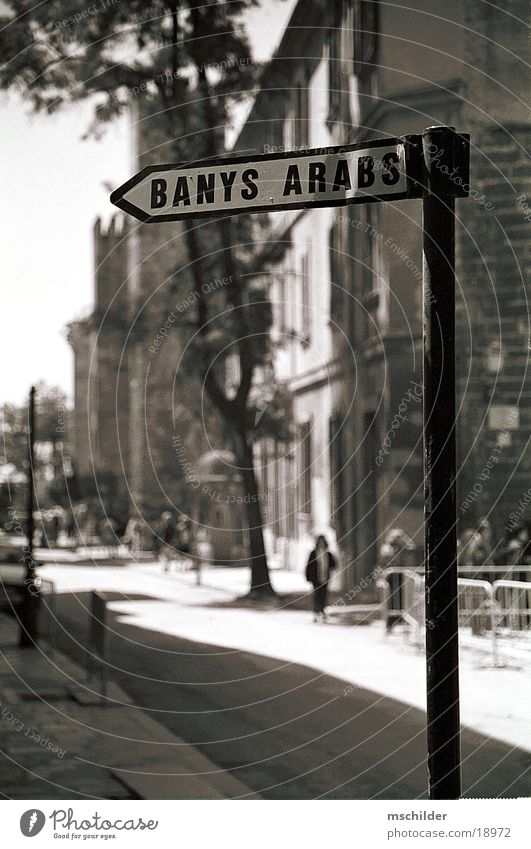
[285, 730]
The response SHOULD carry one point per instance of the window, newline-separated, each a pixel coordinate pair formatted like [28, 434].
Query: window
[285, 495]
[340, 52]
[273, 127]
[364, 252]
[369, 492]
[334, 70]
[297, 117]
[276, 511]
[351, 248]
[283, 305]
[365, 36]
[277, 298]
[363, 249]
[301, 115]
[289, 125]
[370, 249]
[305, 471]
[338, 472]
[306, 292]
[291, 497]
[232, 373]
[336, 272]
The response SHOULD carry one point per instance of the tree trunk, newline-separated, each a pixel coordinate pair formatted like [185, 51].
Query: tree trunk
[260, 583]
[235, 419]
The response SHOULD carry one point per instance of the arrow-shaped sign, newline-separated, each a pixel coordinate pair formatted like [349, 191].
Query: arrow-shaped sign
[359, 173]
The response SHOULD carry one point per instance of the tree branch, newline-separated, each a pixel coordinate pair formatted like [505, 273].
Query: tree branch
[246, 359]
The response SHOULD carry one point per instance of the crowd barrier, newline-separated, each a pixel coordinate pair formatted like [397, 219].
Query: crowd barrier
[499, 610]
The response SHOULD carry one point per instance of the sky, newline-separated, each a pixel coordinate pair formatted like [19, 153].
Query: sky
[54, 187]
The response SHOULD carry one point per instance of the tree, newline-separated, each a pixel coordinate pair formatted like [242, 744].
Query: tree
[50, 474]
[50, 410]
[14, 437]
[192, 62]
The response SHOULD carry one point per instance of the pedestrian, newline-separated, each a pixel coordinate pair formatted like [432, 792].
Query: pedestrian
[474, 548]
[183, 543]
[321, 563]
[71, 526]
[133, 536]
[521, 547]
[166, 534]
[55, 528]
[203, 552]
[397, 551]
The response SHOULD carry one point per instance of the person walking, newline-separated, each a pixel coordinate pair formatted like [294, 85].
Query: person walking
[166, 536]
[183, 543]
[321, 563]
[133, 536]
[397, 551]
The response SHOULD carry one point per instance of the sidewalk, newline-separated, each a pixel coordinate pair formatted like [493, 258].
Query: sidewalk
[59, 740]
[494, 701]
[11, 552]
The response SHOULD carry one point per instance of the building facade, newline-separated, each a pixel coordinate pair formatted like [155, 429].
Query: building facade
[346, 287]
[347, 282]
[100, 423]
[145, 438]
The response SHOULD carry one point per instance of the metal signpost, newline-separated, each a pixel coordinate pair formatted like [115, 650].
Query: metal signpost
[446, 155]
[433, 166]
[29, 610]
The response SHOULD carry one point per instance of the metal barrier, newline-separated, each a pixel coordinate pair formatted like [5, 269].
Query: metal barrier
[513, 603]
[478, 609]
[13, 583]
[475, 605]
[97, 551]
[499, 609]
[97, 643]
[405, 602]
[494, 572]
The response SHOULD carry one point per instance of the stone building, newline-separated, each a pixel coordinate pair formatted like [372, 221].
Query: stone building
[128, 404]
[145, 438]
[346, 289]
[100, 447]
[346, 282]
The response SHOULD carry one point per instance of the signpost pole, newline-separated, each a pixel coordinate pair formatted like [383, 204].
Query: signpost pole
[30, 598]
[442, 662]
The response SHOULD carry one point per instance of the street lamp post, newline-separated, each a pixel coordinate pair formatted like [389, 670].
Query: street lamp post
[29, 613]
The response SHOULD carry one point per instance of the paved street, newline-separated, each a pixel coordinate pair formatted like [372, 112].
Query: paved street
[284, 729]
[59, 738]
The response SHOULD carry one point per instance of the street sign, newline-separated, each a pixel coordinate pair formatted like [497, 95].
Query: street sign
[433, 166]
[376, 170]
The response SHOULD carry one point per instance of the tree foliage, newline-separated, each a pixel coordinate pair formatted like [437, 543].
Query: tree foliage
[50, 436]
[187, 65]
